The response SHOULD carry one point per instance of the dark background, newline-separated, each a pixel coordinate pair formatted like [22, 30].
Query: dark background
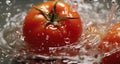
[13, 7]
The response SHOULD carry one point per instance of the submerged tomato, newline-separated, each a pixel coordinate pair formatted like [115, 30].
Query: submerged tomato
[110, 42]
[51, 24]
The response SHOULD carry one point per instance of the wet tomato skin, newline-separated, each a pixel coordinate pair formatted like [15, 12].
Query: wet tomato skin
[113, 58]
[40, 36]
[111, 42]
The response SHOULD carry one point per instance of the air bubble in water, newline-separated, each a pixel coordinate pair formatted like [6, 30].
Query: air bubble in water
[8, 2]
[1, 59]
[8, 14]
[0, 2]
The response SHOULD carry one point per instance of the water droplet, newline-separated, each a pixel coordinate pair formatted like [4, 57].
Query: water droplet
[42, 48]
[95, 0]
[18, 10]
[42, 44]
[47, 37]
[113, 0]
[38, 34]
[0, 2]
[22, 38]
[29, 31]
[75, 5]
[8, 2]
[6, 56]
[39, 49]
[1, 59]
[43, 34]
[67, 40]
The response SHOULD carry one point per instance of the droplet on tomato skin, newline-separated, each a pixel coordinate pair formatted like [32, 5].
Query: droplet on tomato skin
[105, 48]
[29, 31]
[52, 50]
[58, 45]
[38, 34]
[42, 44]
[47, 37]
[39, 49]
[43, 34]
[67, 40]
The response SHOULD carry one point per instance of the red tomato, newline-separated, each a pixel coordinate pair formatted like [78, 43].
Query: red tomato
[111, 40]
[51, 24]
[114, 58]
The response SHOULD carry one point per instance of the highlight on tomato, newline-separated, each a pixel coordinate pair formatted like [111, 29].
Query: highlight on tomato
[51, 24]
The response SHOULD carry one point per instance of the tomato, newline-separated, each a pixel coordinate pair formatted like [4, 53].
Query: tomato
[51, 24]
[111, 42]
[113, 58]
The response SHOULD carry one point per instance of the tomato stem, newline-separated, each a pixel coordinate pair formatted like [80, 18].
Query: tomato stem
[53, 16]
[45, 15]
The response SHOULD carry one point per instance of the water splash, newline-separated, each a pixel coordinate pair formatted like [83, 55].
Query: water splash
[97, 17]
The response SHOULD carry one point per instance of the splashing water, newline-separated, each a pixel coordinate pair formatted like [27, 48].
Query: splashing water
[97, 17]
